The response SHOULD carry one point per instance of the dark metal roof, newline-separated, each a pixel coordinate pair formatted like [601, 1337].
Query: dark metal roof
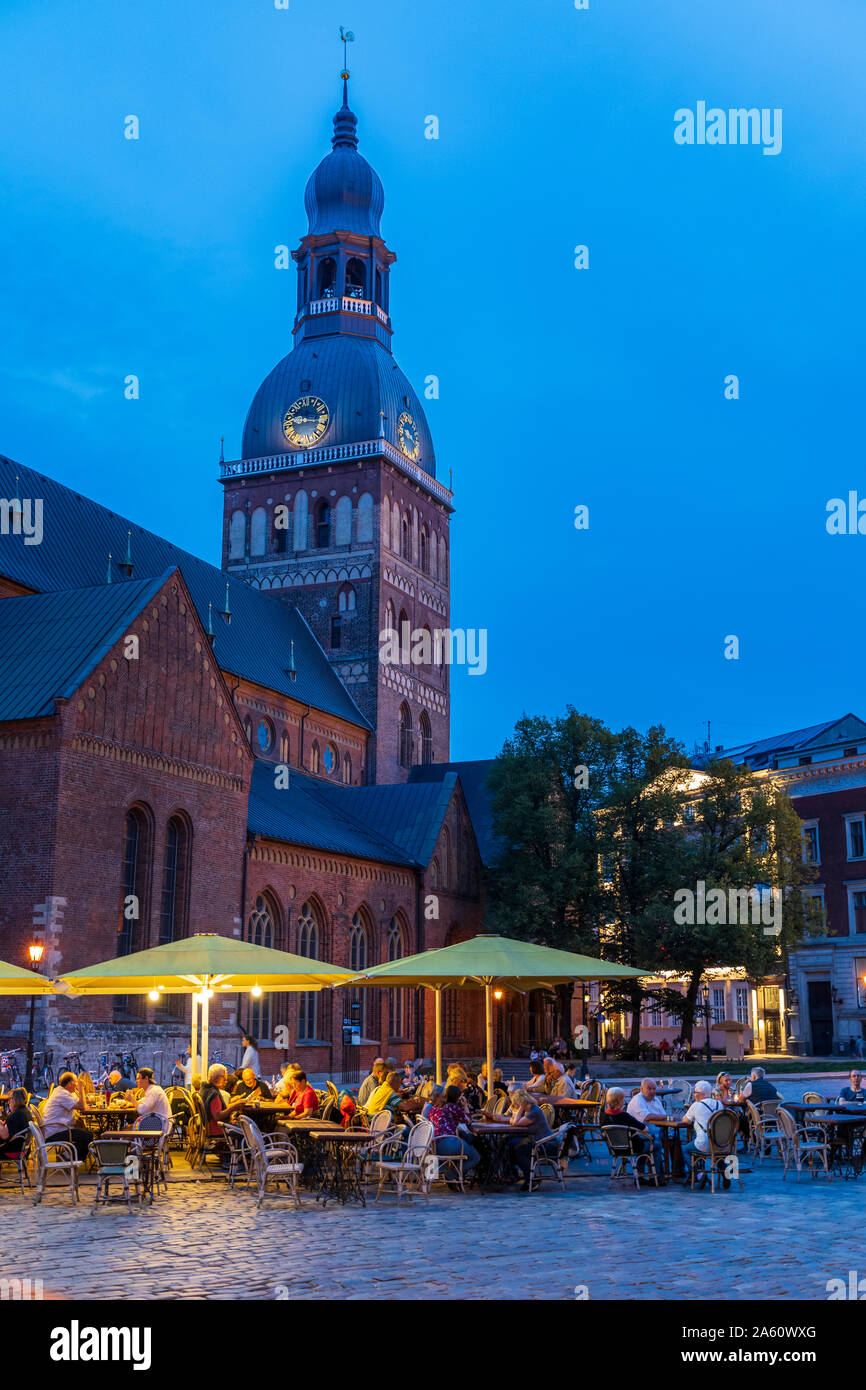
[358, 380]
[79, 534]
[49, 643]
[762, 749]
[473, 780]
[395, 825]
[344, 194]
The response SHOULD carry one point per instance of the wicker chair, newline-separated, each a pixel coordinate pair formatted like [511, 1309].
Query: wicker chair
[239, 1153]
[764, 1132]
[410, 1170]
[201, 1143]
[812, 1098]
[802, 1143]
[620, 1141]
[548, 1153]
[20, 1159]
[67, 1163]
[272, 1159]
[722, 1130]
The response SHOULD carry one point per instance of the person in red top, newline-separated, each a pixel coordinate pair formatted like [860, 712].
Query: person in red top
[305, 1100]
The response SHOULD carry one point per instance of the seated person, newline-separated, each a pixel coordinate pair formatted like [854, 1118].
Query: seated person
[447, 1118]
[724, 1088]
[252, 1086]
[435, 1099]
[386, 1096]
[757, 1088]
[536, 1076]
[153, 1101]
[409, 1079]
[218, 1110]
[347, 1106]
[288, 1084]
[14, 1130]
[856, 1091]
[305, 1102]
[472, 1093]
[698, 1115]
[530, 1124]
[378, 1072]
[556, 1083]
[499, 1086]
[615, 1113]
[116, 1085]
[57, 1117]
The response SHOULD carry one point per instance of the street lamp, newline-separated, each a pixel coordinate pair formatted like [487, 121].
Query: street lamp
[706, 993]
[36, 950]
[497, 995]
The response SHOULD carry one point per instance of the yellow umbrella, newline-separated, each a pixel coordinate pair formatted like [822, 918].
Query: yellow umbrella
[201, 964]
[14, 979]
[485, 961]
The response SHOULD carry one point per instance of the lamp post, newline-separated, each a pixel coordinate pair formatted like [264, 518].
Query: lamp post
[706, 993]
[36, 950]
[497, 995]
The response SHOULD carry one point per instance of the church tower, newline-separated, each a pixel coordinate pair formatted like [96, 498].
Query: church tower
[334, 505]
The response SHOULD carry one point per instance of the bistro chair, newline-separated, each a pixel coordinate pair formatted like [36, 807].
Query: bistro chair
[620, 1141]
[803, 1144]
[65, 1162]
[812, 1098]
[239, 1153]
[764, 1132]
[722, 1130]
[201, 1143]
[547, 1111]
[21, 1158]
[118, 1161]
[410, 1170]
[678, 1095]
[272, 1159]
[548, 1153]
[768, 1108]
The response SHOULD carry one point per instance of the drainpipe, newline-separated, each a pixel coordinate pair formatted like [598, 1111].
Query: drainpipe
[420, 935]
[301, 740]
[251, 840]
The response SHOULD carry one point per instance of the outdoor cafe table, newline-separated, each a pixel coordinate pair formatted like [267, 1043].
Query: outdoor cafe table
[845, 1124]
[300, 1133]
[145, 1141]
[492, 1170]
[113, 1116]
[670, 1126]
[340, 1173]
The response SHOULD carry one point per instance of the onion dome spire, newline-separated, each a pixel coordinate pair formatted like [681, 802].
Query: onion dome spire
[345, 122]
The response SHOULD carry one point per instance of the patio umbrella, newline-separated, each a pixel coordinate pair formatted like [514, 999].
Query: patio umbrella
[202, 964]
[485, 961]
[14, 979]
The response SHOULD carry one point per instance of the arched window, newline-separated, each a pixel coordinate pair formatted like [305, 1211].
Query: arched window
[359, 959]
[174, 903]
[405, 539]
[406, 738]
[434, 551]
[346, 599]
[434, 873]
[323, 525]
[446, 857]
[336, 632]
[385, 522]
[301, 513]
[315, 759]
[237, 535]
[398, 1011]
[347, 769]
[327, 277]
[443, 561]
[426, 735]
[424, 552]
[365, 517]
[134, 912]
[389, 616]
[280, 530]
[284, 746]
[356, 279]
[343, 522]
[248, 730]
[261, 931]
[379, 288]
[258, 522]
[309, 938]
[395, 528]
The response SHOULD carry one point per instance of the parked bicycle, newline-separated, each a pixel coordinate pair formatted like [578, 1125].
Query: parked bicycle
[43, 1070]
[10, 1076]
[72, 1062]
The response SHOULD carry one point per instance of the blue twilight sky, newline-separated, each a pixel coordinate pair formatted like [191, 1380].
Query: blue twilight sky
[558, 387]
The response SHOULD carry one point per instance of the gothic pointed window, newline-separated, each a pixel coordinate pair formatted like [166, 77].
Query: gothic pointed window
[133, 914]
[398, 999]
[174, 903]
[406, 739]
[261, 931]
[323, 525]
[315, 758]
[405, 539]
[359, 959]
[426, 734]
[258, 524]
[365, 517]
[237, 535]
[309, 936]
[347, 769]
[424, 550]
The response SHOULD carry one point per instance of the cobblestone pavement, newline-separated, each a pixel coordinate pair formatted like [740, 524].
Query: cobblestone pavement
[774, 1241]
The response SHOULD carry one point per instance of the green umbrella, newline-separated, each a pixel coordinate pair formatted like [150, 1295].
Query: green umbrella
[203, 963]
[485, 961]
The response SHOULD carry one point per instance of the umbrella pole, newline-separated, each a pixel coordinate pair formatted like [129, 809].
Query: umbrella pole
[205, 1012]
[438, 997]
[488, 1019]
[193, 1046]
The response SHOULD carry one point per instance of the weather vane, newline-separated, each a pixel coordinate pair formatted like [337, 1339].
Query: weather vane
[347, 37]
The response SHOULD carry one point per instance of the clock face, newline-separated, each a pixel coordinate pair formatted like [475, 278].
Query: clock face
[306, 421]
[407, 436]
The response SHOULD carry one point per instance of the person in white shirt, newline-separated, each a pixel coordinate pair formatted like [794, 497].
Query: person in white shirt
[698, 1115]
[251, 1054]
[58, 1115]
[643, 1107]
[154, 1101]
[556, 1083]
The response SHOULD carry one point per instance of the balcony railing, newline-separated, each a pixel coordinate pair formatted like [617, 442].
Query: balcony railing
[337, 453]
[347, 304]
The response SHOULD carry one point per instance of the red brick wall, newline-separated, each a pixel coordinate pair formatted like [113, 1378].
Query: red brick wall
[835, 869]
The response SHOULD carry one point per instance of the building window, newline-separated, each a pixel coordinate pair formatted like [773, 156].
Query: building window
[814, 905]
[688, 814]
[284, 746]
[131, 930]
[308, 945]
[323, 525]
[860, 980]
[451, 1013]
[314, 758]
[356, 279]
[426, 737]
[424, 551]
[655, 1016]
[346, 599]
[265, 735]
[330, 759]
[260, 931]
[858, 910]
[336, 632]
[237, 535]
[248, 730]
[717, 1005]
[359, 943]
[856, 837]
[175, 882]
[811, 846]
[347, 769]
[405, 543]
[741, 1003]
[406, 737]
[327, 277]
[434, 873]
[258, 527]
[398, 1011]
